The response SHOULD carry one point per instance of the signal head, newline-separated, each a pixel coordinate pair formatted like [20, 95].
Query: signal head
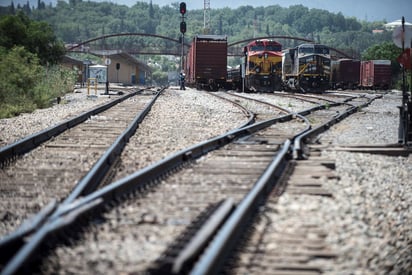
[182, 8]
[182, 27]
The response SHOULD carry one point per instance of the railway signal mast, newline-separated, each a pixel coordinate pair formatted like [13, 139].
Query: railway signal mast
[402, 37]
[182, 9]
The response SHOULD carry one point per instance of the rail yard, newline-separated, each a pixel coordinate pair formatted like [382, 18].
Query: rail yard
[208, 182]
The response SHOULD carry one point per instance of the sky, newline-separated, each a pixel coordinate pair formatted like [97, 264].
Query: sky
[369, 10]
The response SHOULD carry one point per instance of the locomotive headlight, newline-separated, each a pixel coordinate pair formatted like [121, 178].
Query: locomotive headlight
[257, 69]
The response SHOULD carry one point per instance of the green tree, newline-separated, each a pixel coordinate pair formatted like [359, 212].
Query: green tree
[37, 37]
[385, 50]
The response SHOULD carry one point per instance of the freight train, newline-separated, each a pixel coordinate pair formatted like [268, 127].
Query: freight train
[265, 68]
[356, 74]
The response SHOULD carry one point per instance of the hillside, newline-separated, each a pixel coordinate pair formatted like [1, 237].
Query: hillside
[80, 20]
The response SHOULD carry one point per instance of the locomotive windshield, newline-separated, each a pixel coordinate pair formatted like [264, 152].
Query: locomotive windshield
[257, 48]
[272, 48]
[321, 50]
[306, 49]
[314, 49]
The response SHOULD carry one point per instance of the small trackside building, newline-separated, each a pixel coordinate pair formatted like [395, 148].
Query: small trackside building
[125, 68]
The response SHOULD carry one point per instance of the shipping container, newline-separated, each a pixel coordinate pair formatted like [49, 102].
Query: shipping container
[205, 65]
[376, 74]
[345, 74]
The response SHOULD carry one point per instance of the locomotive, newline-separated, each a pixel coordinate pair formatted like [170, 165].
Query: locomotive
[263, 66]
[306, 68]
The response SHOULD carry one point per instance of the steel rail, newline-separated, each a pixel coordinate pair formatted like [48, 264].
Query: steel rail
[302, 139]
[247, 112]
[12, 242]
[63, 216]
[11, 151]
[57, 222]
[214, 256]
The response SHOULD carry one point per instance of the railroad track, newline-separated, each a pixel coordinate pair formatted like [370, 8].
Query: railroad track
[51, 170]
[273, 246]
[110, 160]
[250, 149]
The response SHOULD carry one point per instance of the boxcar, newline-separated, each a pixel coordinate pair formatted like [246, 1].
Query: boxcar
[206, 62]
[345, 74]
[376, 74]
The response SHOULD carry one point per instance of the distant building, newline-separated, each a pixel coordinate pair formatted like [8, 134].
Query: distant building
[74, 64]
[123, 68]
[396, 23]
[377, 31]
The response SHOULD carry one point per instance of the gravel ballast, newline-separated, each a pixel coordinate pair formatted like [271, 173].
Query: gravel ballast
[369, 218]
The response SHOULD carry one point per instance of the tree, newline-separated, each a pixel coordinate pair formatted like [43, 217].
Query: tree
[12, 8]
[37, 37]
[151, 10]
[26, 8]
[385, 50]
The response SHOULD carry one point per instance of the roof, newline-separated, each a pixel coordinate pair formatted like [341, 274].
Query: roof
[397, 23]
[211, 37]
[123, 55]
[70, 60]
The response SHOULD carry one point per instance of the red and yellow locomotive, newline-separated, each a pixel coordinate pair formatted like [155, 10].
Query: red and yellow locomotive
[263, 66]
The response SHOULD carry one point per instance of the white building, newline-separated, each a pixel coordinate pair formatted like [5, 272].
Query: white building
[396, 23]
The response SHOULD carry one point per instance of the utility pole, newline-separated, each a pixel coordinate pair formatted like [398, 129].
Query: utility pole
[206, 17]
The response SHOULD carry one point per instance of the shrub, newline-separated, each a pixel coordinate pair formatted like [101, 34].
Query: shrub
[25, 85]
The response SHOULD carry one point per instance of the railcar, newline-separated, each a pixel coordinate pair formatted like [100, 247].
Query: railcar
[205, 64]
[306, 68]
[345, 74]
[375, 74]
[263, 66]
[234, 78]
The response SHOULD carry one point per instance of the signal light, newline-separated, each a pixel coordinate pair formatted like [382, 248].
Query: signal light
[182, 27]
[182, 8]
